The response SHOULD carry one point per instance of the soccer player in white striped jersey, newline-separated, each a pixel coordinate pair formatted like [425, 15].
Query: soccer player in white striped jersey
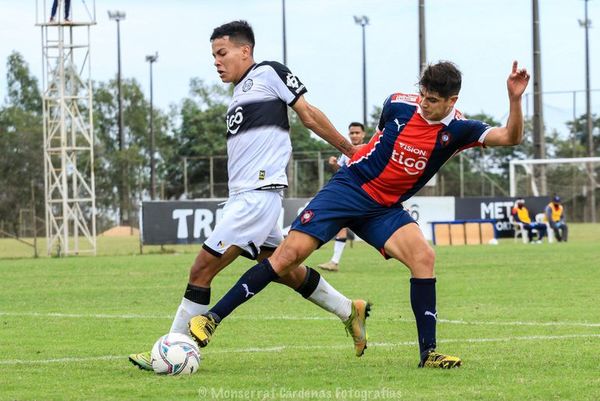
[258, 149]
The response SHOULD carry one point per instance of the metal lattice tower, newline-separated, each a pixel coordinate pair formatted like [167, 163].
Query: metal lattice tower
[68, 133]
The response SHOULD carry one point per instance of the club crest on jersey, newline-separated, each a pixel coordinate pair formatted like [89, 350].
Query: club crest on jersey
[445, 138]
[247, 85]
[234, 120]
[307, 216]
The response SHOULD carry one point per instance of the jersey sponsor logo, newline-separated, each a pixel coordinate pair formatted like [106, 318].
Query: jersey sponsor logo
[306, 216]
[247, 85]
[261, 174]
[234, 120]
[292, 82]
[398, 124]
[412, 159]
[403, 98]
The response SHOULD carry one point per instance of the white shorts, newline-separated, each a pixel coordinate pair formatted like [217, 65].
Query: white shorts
[249, 221]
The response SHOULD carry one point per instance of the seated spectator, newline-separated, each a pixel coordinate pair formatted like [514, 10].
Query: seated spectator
[521, 215]
[555, 214]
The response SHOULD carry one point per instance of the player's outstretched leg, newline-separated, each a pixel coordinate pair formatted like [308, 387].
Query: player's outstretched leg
[142, 360]
[356, 325]
[250, 283]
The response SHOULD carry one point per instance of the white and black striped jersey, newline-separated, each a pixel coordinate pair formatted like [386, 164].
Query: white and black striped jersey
[342, 160]
[258, 138]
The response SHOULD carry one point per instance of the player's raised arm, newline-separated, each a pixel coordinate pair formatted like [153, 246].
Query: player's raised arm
[512, 133]
[316, 121]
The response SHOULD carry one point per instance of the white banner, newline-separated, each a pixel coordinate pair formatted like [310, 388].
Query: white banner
[425, 209]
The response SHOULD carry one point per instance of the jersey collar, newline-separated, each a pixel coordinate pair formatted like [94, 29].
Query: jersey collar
[446, 120]
[246, 73]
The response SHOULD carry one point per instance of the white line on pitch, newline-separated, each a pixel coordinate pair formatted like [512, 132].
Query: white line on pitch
[285, 317]
[306, 348]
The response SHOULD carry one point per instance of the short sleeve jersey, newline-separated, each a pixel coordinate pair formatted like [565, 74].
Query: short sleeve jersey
[258, 140]
[342, 160]
[407, 150]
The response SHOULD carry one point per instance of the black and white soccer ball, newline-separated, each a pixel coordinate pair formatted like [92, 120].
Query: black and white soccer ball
[175, 354]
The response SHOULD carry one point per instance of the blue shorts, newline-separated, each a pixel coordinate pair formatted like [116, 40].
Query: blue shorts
[343, 203]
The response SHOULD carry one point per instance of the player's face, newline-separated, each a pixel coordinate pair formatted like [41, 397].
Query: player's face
[231, 59]
[435, 107]
[356, 135]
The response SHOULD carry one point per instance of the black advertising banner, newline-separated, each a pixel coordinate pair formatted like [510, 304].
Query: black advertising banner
[497, 208]
[191, 222]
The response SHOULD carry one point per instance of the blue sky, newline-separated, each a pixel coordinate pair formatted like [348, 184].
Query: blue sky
[324, 47]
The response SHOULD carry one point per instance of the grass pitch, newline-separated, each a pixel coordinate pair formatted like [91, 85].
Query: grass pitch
[524, 318]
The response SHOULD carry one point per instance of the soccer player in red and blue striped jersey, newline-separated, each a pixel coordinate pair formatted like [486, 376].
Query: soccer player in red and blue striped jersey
[415, 136]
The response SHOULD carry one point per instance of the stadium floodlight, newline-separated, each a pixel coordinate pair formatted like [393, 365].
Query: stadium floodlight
[116, 15]
[152, 59]
[363, 21]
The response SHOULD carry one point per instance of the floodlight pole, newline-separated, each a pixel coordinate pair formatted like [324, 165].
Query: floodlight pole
[151, 59]
[363, 21]
[118, 16]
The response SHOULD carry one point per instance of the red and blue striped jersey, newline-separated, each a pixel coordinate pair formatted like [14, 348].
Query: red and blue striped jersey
[407, 150]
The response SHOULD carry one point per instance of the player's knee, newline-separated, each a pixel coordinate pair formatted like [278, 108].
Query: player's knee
[425, 260]
[201, 273]
[285, 257]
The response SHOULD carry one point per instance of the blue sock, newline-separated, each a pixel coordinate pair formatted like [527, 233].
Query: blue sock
[422, 299]
[249, 284]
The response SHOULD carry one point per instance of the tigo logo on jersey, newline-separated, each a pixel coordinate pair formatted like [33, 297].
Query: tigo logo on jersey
[234, 120]
[413, 165]
[306, 216]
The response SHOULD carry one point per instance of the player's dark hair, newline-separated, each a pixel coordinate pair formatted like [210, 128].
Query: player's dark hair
[238, 31]
[444, 78]
[356, 124]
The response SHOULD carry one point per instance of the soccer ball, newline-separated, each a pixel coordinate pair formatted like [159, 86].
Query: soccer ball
[175, 354]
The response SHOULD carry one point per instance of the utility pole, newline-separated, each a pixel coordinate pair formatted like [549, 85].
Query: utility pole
[539, 146]
[586, 23]
[284, 37]
[151, 59]
[422, 43]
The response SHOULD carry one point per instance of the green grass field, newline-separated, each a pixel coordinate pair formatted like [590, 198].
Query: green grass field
[524, 318]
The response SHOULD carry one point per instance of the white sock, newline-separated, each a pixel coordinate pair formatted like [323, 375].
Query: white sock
[338, 248]
[331, 300]
[187, 310]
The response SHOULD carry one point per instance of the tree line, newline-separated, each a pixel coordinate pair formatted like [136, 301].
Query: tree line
[191, 129]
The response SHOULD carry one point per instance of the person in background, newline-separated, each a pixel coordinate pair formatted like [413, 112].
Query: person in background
[555, 214]
[356, 133]
[55, 9]
[521, 215]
